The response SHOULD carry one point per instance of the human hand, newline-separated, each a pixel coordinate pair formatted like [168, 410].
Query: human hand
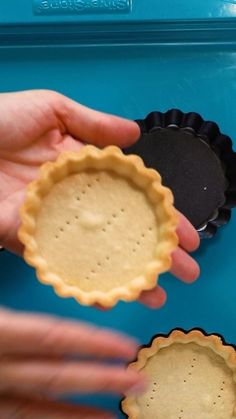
[36, 126]
[42, 358]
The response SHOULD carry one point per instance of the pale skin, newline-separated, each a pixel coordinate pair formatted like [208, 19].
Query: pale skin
[35, 126]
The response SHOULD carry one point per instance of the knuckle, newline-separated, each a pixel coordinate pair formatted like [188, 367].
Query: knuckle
[55, 383]
[99, 129]
[53, 337]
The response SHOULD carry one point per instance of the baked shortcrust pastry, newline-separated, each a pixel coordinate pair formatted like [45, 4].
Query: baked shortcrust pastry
[98, 226]
[191, 376]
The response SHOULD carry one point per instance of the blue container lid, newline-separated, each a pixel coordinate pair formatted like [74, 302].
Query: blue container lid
[52, 22]
[39, 11]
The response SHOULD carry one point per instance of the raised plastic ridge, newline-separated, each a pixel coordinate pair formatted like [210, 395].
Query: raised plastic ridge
[209, 31]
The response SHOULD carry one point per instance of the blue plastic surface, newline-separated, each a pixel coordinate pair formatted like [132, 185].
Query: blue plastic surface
[61, 22]
[13, 11]
[132, 81]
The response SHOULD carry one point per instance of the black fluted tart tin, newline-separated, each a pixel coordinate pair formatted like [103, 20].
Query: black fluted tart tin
[196, 161]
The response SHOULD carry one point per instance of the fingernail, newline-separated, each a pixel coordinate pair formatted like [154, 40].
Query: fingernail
[137, 389]
[132, 350]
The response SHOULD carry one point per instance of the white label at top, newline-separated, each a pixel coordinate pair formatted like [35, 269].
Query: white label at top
[77, 7]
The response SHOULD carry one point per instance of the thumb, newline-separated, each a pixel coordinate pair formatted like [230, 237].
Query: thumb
[97, 128]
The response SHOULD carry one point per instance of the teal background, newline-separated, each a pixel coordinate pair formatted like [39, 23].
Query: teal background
[131, 81]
